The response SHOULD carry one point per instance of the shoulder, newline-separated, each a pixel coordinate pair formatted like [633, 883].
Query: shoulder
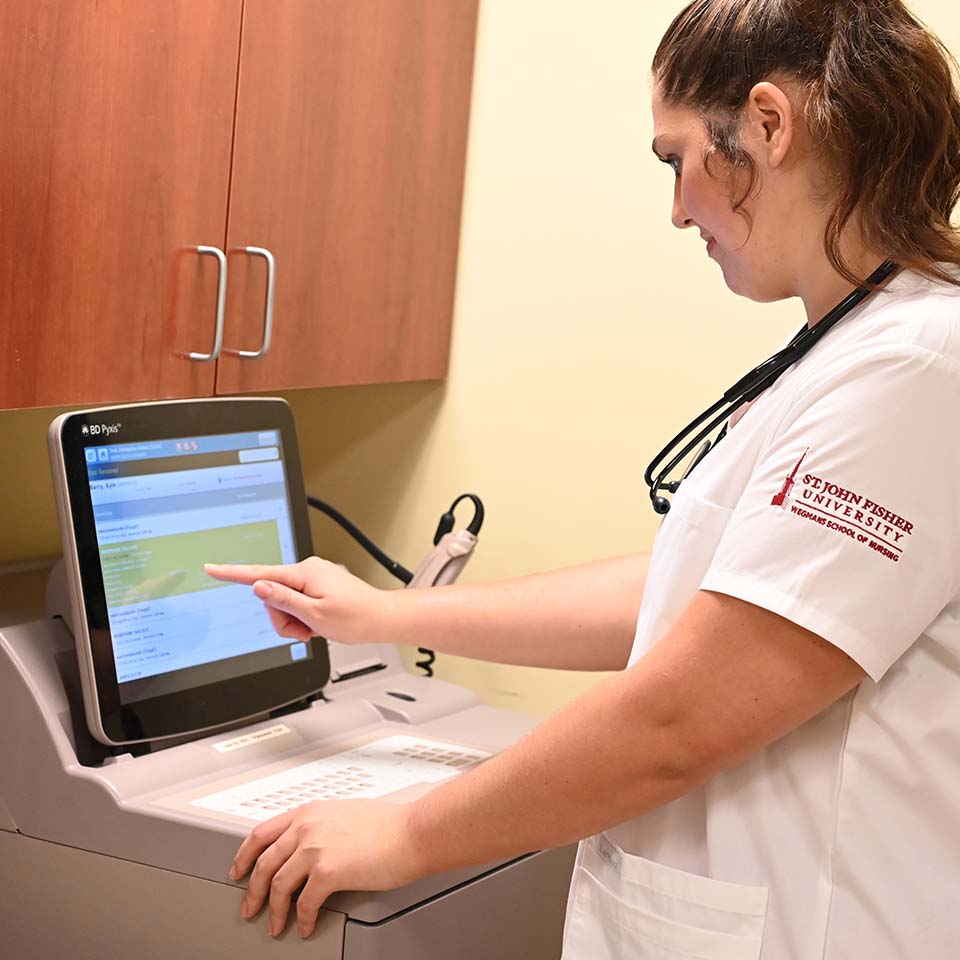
[915, 318]
[893, 367]
[905, 334]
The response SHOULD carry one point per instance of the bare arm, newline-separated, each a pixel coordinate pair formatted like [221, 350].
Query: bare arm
[727, 680]
[579, 618]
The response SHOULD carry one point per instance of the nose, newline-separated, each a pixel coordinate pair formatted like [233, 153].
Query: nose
[681, 220]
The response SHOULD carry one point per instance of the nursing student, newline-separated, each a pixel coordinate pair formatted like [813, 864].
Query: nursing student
[774, 770]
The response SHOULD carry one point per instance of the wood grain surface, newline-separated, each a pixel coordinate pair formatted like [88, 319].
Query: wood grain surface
[117, 120]
[351, 135]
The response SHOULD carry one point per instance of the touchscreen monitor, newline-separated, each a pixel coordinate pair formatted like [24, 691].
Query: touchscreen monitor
[148, 494]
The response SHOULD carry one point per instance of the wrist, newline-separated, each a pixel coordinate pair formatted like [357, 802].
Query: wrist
[420, 841]
[392, 613]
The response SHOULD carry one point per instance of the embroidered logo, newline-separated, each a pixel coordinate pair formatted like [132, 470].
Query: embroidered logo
[844, 512]
[783, 498]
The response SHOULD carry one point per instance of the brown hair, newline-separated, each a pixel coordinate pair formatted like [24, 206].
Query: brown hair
[879, 101]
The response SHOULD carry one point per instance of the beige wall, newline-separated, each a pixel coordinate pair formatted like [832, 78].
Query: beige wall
[587, 331]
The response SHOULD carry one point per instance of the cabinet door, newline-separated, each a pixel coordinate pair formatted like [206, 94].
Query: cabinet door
[116, 121]
[348, 166]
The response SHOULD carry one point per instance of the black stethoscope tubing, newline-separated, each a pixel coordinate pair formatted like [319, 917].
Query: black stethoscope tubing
[748, 388]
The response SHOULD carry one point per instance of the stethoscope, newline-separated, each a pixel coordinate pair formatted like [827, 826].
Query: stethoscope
[745, 390]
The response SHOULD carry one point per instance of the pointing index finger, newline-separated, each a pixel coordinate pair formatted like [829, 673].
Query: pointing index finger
[249, 573]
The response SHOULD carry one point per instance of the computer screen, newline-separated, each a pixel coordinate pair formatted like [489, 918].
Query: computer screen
[162, 509]
[147, 494]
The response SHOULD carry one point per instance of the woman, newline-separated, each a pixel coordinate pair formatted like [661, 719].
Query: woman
[775, 772]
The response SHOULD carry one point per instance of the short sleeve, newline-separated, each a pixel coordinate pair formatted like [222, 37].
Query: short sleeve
[850, 522]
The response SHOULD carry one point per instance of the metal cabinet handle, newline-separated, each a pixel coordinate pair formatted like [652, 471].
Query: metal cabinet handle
[221, 302]
[268, 306]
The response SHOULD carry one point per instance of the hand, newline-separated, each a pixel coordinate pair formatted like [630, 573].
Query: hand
[314, 598]
[329, 846]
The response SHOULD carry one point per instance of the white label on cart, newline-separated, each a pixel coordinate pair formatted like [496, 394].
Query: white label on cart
[248, 739]
[373, 770]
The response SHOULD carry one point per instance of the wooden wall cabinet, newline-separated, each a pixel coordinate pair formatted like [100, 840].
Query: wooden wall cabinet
[331, 133]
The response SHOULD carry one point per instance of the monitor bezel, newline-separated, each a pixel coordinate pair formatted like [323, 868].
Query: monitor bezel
[202, 708]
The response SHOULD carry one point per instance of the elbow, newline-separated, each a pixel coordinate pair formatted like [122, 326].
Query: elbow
[681, 756]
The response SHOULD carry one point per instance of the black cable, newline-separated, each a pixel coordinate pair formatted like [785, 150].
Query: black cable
[429, 659]
[447, 520]
[397, 569]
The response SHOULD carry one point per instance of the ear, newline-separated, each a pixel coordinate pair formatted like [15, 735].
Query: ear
[770, 123]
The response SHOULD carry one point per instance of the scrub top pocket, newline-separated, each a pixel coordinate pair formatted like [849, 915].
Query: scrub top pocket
[624, 907]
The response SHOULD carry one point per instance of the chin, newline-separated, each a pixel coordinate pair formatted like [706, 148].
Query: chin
[750, 288]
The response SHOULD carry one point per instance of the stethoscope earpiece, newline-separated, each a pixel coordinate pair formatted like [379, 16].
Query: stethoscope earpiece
[661, 505]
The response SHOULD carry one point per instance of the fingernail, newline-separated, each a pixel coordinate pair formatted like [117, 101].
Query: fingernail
[304, 933]
[272, 930]
[244, 910]
[263, 589]
[233, 873]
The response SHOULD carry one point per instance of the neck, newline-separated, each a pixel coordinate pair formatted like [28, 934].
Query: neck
[820, 286]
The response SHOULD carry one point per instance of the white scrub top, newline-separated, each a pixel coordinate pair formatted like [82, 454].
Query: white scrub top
[833, 502]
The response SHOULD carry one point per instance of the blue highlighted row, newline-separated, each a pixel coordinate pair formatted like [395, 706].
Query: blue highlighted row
[217, 443]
